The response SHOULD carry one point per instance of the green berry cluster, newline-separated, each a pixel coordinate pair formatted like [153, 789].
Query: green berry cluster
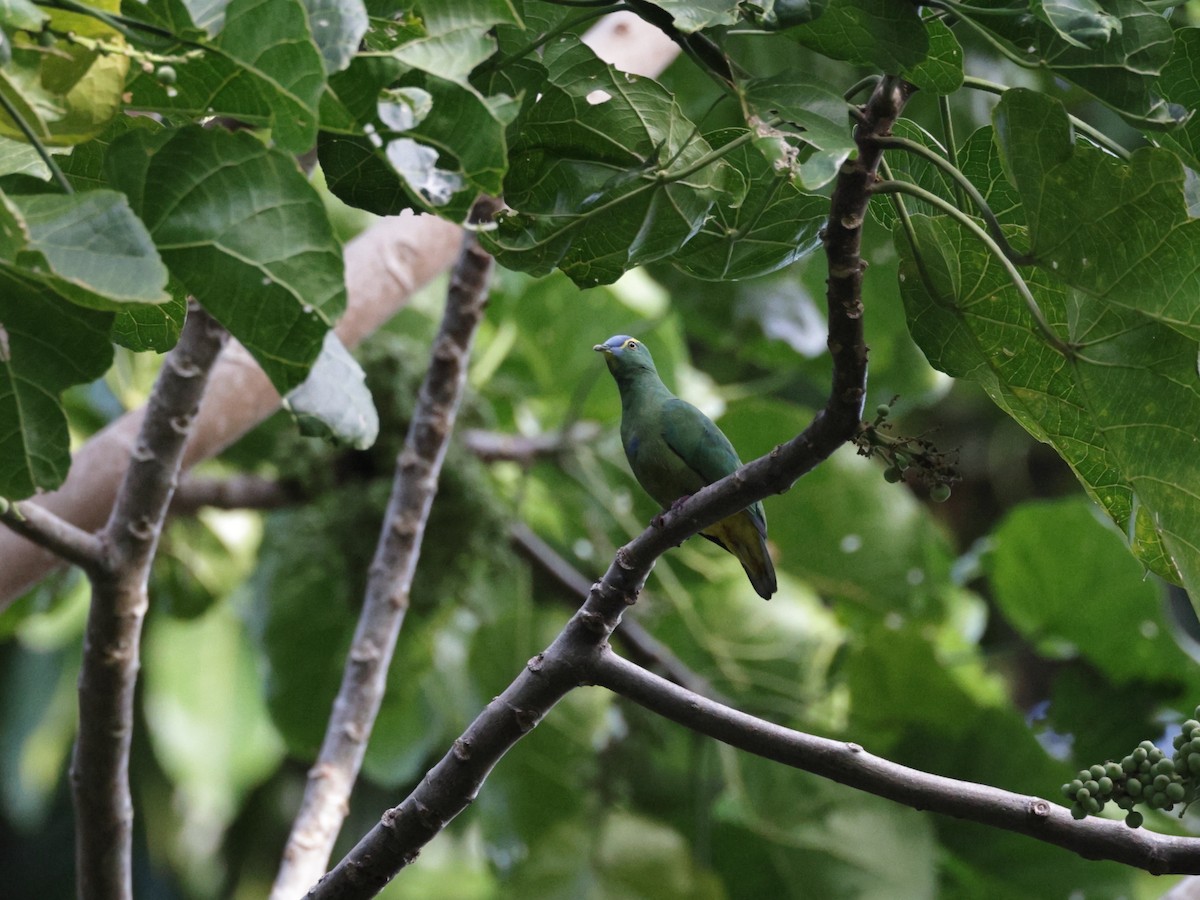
[907, 458]
[1147, 777]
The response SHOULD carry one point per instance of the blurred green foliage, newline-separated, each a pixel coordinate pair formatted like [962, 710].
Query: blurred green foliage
[1005, 637]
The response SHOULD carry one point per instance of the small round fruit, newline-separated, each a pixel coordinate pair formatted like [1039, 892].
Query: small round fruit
[939, 493]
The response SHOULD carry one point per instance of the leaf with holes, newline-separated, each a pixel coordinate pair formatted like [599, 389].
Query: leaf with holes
[606, 173]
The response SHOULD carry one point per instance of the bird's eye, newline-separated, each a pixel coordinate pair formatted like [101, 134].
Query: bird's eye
[631, 344]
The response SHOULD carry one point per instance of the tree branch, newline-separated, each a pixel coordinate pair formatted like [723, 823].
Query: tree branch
[455, 781]
[100, 763]
[57, 535]
[850, 764]
[641, 646]
[327, 793]
[241, 491]
[496, 446]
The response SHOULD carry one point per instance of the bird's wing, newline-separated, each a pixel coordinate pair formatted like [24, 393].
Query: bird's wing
[703, 447]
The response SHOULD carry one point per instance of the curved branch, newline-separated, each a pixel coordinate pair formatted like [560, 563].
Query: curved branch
[851, 765]
[100, 763]
[418, 467]
[454, 782]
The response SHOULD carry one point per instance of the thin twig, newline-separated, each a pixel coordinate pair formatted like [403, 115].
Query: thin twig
[497, 446]
[241, 491]
[455, 781]
[850, 764]
[327, 793]
[55, 534]
[100, 763]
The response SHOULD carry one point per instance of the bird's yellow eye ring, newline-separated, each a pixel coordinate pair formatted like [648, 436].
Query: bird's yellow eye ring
[631, 344]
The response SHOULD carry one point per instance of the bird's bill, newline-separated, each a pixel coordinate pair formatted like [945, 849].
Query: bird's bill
[601, 348]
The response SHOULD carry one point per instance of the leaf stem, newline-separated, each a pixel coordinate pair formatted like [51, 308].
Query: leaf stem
[714, 155]
[1099, 138]
[1039, 320]
[122, 24]
[951, 147]
[31, 136]
[965, 186]
[859, 86]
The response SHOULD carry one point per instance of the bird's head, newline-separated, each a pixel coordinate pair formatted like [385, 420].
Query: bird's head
[625, 356]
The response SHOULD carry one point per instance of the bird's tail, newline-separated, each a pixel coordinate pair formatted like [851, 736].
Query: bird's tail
[740, 535]
[761, 572]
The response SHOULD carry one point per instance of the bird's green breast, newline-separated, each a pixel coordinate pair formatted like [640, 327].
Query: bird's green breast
[656, 466]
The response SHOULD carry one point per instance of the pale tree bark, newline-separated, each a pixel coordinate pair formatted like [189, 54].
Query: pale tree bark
[384, 266]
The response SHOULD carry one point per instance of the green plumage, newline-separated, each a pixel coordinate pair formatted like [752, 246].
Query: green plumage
[675, 450]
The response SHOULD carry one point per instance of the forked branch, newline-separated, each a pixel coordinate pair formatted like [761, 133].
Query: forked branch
[100, 764]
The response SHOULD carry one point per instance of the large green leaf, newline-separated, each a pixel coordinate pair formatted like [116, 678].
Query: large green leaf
[1080, 22]
[606, 173]
[1118, 230]
[621, 855]
[774, 225]
[1059, 575]
[1120, 70]
[877, 33]
[1113, 408]
[689, 16]
[457, 36]
[1181, 83]
[263, 68]
[65, 92]
[447, 141]
[46, 345]
[824, 835]
[99, 252]
[942, 70]
[958, 722]
[67, 261]
[245, 233]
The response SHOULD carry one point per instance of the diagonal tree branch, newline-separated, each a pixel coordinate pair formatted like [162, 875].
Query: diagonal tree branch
[568, 662]
[850, 764]
[327, 793]
[494, 446]
[100, 763]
